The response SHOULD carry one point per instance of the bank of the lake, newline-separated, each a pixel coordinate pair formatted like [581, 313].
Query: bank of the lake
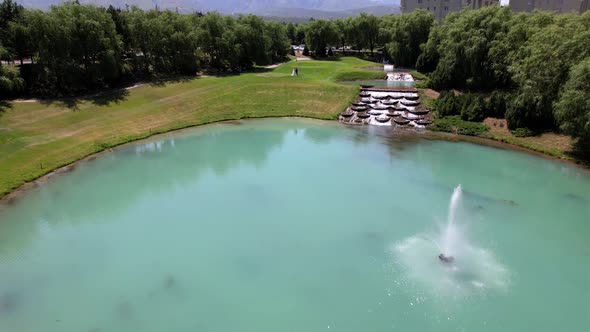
[37, 138]
[552, 144]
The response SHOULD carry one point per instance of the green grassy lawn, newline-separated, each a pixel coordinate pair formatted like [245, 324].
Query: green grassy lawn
[38, 137]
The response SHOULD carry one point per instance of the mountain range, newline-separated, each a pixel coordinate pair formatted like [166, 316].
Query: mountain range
[277, 8]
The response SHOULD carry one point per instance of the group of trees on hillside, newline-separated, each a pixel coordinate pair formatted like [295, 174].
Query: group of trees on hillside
[540, 60]
[74, 48]
[397, 36]
[538, 63]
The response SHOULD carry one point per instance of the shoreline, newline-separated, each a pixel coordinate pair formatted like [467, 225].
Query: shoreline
[15, 194]
[498, 144]
[11, 196]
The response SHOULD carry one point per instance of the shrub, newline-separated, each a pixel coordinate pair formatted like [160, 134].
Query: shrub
[528, 111]
[523, 132]
[422, 84]
[418, 75]
[11, 84]
[447, 104]
[498, 104]
[454, 124]
[330, 52]
[517, 114]
[465, 102]
[474, 108]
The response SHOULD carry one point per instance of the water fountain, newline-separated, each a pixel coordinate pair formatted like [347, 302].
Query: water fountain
[460, 269]
[451, 239]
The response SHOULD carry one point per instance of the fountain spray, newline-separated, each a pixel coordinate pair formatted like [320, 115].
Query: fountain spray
[450, 235]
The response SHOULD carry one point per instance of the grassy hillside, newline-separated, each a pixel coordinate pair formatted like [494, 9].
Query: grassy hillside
[38, 137]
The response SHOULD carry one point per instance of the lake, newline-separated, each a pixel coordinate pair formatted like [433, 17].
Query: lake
[298, 225]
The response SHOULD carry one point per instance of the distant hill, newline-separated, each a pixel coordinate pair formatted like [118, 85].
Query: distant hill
[309, 13]
[272, 8]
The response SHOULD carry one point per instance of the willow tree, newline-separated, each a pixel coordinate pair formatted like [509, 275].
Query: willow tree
[541, 68]
[217, 39]
[10, 13]
[572, 110]
[319, 35]
[10, 82]
[345, 31]
[367, 29]
[77, 48]
[403, 36]
[462, 45]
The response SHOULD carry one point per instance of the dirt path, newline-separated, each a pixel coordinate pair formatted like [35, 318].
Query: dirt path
[275, 65]
[299, 58]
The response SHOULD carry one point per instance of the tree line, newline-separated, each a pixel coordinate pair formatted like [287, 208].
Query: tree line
[531, 68]
[538, 63]
[75, 48]
[397, 37]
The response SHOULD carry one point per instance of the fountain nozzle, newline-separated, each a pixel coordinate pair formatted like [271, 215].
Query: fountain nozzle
[446, 259]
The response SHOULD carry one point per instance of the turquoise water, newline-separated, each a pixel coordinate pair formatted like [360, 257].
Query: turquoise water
[297, 225]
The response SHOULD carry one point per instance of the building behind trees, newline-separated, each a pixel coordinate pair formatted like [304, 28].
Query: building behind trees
[557, 6]
[441, 8]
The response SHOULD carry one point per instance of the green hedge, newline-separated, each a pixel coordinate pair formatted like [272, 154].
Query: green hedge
[454, 124]
[523, 132]
[472, 107]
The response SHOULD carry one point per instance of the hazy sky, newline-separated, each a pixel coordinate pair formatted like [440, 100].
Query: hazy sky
[315, 4]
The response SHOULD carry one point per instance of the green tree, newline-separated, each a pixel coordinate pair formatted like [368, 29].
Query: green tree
[541, 67]
[121, 26]
[292, 33]
[498, 104]
[300, 39]
[10, 82]
[10, 13]
[22, 42]
[367, 30]
[447, 104]
[572, 110]
[177, 51]
[429, 57]
[403, 36]
[474, 110]
[218, 40]
[345, 31]
[462, 44]
[319, 35]
[77, 49]
[279, 42]
[163, 42]
[254, 40]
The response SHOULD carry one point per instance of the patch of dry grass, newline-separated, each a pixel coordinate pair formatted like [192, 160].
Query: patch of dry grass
[551, 143]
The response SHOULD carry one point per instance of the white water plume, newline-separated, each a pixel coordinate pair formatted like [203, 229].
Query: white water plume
[472, 269]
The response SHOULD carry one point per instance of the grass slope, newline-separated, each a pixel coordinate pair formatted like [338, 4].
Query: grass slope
[38, 137]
